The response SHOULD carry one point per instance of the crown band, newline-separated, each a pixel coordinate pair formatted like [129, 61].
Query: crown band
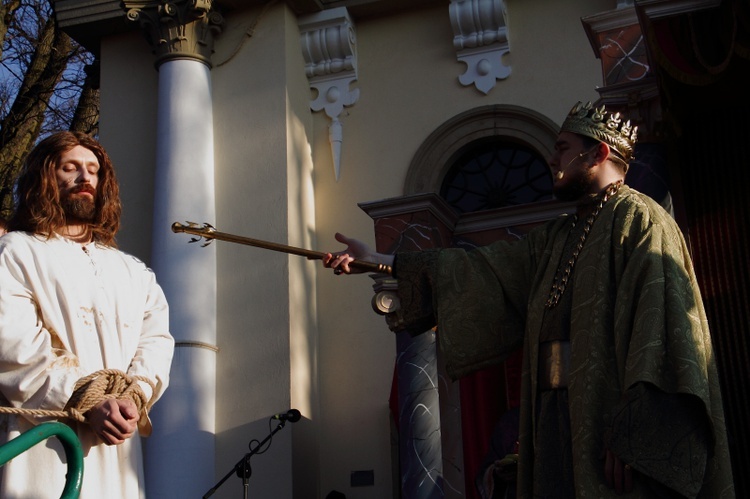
[584, 119]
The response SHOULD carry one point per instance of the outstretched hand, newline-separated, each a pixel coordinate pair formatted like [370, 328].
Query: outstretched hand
[355, 250]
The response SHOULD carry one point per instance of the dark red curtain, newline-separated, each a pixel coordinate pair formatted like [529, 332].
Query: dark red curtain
[486, 396]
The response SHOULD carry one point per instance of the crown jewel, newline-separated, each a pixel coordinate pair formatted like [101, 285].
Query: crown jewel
[584, 119]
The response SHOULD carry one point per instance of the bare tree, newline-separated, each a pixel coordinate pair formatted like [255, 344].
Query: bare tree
[47, 83]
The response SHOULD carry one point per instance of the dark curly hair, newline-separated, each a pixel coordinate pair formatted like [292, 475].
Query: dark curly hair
[39, 210]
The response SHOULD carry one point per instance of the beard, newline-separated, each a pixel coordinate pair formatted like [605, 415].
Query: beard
[577, 186]
[78, 208]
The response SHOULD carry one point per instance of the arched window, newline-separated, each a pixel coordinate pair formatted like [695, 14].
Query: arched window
[496, 173]
[485, 158]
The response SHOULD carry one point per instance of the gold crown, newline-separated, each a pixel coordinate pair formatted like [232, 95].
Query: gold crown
[584, 119]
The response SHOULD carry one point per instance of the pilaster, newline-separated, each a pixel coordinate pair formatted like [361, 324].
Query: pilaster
[620, 39]
[426, 425]
[628, 80]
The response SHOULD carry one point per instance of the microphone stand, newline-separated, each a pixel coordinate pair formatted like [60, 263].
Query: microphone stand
[242, 468]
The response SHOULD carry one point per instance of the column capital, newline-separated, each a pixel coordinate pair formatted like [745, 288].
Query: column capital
[177, 29]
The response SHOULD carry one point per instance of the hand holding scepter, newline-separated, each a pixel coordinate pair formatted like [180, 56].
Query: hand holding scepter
[340, 262]
[346, 261]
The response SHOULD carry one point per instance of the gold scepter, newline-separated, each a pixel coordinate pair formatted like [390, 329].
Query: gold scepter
[208, 233]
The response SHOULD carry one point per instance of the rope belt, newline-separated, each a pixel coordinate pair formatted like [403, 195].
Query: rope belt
[93, 389]
[554, 365]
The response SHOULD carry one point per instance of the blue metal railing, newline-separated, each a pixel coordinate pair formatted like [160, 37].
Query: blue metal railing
[71, 445]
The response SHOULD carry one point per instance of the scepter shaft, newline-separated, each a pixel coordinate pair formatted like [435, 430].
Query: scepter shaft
[209, 233]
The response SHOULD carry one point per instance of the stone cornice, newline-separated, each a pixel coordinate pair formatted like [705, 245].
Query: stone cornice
[657, 9]
[87, 21]
[428, 202]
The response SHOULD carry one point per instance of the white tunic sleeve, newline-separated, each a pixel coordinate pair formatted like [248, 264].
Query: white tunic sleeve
[36, 371]
[153, 356]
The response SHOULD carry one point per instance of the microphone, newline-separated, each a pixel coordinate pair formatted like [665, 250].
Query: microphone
[561, 173]
[292, 415]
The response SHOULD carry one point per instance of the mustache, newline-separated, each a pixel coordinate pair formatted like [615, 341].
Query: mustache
[84, 188]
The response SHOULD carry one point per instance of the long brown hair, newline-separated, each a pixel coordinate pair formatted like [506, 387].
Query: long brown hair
[39, 210]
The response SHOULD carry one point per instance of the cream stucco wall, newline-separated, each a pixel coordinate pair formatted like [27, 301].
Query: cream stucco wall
[267, 327]
[291, 335]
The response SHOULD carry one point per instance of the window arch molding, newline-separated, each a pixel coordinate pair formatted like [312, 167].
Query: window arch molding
[436, 155]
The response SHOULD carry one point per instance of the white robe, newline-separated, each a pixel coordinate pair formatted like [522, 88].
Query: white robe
[66, 313]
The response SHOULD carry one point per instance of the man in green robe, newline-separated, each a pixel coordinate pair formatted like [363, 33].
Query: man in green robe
[620, 393]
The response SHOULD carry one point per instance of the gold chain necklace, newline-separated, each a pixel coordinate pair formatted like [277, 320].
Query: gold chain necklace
[562, 278]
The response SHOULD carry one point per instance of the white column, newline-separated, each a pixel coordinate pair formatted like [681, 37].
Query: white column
[180, 454]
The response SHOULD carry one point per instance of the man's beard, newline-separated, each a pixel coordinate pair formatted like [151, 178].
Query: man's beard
[575, 188]
[78, 208]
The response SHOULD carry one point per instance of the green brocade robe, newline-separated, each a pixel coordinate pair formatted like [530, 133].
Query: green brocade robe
[636, 318]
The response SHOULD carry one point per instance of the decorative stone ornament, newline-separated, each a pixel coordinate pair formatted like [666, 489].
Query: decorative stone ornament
[481, 40]
[177, 29]
[329, 49]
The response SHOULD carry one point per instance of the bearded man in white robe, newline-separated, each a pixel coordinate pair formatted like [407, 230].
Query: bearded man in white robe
[72, 304]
